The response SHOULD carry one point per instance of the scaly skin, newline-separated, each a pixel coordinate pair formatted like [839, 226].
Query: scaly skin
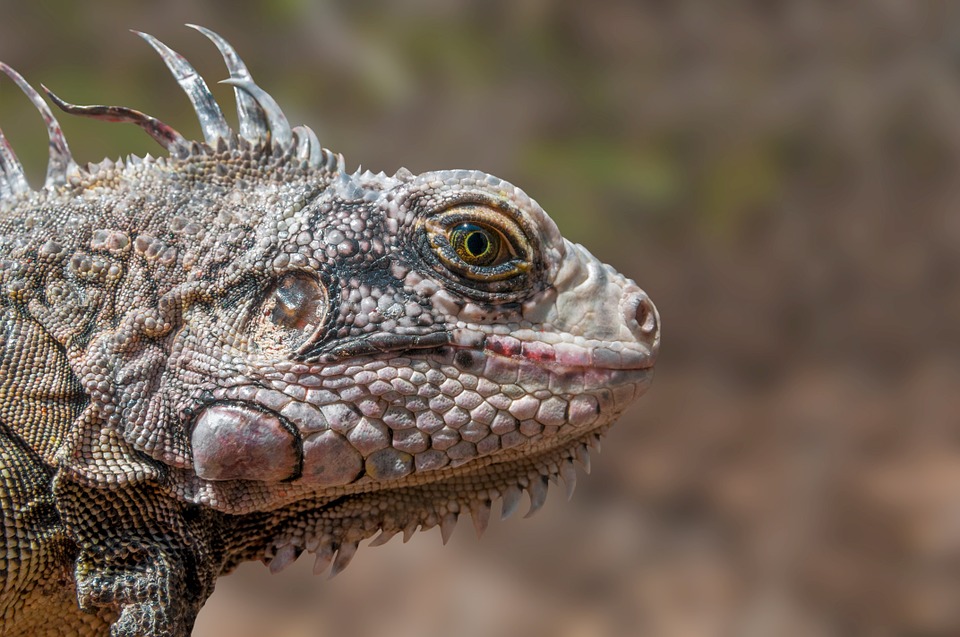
[244, 352]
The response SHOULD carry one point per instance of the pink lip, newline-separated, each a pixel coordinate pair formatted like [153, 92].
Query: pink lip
[569, 355]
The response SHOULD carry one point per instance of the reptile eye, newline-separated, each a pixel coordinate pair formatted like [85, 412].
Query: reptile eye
[474, 244]
[479, 243]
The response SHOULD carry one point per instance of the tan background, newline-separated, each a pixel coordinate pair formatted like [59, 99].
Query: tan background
[782, 179]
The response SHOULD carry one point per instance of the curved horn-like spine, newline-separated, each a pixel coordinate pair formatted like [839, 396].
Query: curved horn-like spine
[12, 179]
[61, 163]
[279, 126]
[253, 122]
[308, 146]
[164, 135]
[212, 123]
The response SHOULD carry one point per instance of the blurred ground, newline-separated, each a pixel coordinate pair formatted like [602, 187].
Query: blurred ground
[781, 177]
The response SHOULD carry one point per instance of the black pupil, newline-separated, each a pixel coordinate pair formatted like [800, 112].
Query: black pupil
[477, 243]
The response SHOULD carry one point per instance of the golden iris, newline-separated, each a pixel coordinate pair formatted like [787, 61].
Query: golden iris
[476, 245]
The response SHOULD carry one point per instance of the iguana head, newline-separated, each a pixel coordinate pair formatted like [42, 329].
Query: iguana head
[419, 346]
[408, 329]
[341, 353]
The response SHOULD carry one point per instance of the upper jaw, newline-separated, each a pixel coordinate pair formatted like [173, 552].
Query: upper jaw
[561, 351]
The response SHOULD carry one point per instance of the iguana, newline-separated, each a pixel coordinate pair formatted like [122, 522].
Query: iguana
[243, 351]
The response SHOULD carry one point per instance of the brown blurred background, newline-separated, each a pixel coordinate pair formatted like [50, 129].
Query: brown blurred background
[782, 178]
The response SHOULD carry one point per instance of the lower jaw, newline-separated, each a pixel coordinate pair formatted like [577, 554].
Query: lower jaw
[332, 526]
[618, 388]
[334, 530]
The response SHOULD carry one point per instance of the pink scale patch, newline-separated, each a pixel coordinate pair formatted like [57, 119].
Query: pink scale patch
[539, 352]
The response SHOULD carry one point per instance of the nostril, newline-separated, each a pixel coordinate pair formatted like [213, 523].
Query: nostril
[638, 307]
[646, 316]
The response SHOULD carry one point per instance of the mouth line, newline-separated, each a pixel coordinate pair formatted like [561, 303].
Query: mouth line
[574, 354]
[377, 344]
[550, 366]
[561, 357]
[561, 368]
